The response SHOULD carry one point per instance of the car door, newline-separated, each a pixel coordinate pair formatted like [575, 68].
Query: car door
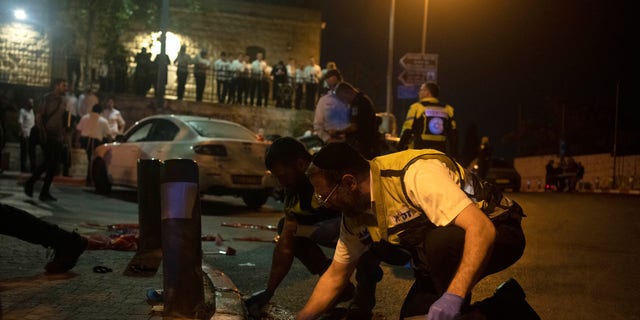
[159, 143]
[123, 166]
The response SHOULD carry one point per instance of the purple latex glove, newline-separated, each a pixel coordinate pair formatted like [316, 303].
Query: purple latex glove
[445, 308]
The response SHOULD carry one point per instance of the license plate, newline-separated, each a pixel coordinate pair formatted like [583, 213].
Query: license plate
[502, 180]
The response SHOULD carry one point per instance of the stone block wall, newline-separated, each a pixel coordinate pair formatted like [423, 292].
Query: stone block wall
[24, 55]
[598, 173]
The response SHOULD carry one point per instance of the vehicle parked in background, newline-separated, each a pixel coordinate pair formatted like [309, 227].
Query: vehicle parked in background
[501, 173]
[229, 156]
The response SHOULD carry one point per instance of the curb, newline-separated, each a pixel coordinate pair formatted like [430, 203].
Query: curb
[228, 301]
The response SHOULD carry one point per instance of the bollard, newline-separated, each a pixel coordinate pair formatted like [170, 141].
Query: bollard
[147, 259]
[181, 244]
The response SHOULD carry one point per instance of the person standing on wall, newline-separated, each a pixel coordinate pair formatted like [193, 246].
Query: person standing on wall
[183, 60]
[201, 66]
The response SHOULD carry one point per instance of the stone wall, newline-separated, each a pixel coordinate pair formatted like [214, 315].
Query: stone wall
[598, 173]
[24, 55]
[235, 26]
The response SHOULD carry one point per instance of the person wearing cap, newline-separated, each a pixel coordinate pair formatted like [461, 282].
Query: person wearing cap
[457, 228]
[362, 132]
[429, 123]
[306, 226]
[332, 115]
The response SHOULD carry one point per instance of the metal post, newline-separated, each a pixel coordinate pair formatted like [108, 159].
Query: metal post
[181, 244]
[147, 259]
[424, 27]
[392, 13]
[162, 74]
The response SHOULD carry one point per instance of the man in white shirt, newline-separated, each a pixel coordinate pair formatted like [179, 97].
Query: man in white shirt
[256, 85]
[235, 69]
[221, 68]
[94, 130]
[200, 69]
[86, 101]
[27, 119]
[114, 117]
[457, 228]
[332, 116]
[312, 74]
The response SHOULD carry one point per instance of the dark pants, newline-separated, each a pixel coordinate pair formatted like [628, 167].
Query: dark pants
[243, 90]
[298, 99]
[20, 224]
[234, 83]
[222, 90]
[90, 144]
[256, 91]
[311, 92]
[437, 255]
[27, 151]
[52, 151]
[182, 82]
[201, 79]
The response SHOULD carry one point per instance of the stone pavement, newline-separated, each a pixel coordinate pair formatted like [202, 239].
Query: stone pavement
[26, 292]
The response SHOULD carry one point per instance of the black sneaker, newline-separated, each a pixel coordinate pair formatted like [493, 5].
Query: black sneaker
[508, 302]
[28, 189]
[66, 257]
[356, 313]
[46, 197]
[347, 293]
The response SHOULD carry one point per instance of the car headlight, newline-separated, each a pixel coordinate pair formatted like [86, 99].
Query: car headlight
[211, 150]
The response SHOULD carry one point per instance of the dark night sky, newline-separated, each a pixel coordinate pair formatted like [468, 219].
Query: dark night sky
[496, 57]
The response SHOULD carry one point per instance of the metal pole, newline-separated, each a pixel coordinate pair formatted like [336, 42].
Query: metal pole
[392, 13]
[162, 66]
[615, 138]
[147, 259]
[424, 27]
[181, 243]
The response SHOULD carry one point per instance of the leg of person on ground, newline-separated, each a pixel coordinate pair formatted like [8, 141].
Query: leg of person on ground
[20, 224]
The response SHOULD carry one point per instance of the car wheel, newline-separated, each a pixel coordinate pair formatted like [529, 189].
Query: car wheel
[100, 178]
[255, 199]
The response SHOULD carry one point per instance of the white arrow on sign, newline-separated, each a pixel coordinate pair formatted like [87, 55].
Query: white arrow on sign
[419, 61]
[417, 77]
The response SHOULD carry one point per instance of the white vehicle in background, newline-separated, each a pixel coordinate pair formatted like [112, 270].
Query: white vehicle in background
[230, 158]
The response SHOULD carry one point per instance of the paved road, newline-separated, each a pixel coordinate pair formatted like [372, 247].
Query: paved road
[580, 261]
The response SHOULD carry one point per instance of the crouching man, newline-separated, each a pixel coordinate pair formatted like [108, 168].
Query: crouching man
[457, 228]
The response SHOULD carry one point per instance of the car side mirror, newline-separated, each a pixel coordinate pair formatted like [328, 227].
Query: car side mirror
[119, 138]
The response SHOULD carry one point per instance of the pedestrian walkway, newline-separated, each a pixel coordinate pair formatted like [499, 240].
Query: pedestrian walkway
[26, 292]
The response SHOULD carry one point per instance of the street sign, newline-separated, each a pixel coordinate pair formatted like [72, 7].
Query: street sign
[419, 61]
[417, 77]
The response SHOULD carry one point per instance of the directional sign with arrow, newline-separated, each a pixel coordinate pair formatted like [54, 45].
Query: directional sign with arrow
[421, 61]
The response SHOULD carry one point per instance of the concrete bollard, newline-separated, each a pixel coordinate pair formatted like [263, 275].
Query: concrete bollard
[181, 244]
[147, 259]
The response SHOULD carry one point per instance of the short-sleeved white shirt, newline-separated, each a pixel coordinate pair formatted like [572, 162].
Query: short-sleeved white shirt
[431, 186]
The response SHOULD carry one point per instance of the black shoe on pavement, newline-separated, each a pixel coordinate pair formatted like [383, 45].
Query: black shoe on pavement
[356, 313]
[66, 256]
[46, 197]
[347, 293]
[28, 189]
[508, 302]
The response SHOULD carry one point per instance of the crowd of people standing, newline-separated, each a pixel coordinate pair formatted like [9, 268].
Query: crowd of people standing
[238, 78]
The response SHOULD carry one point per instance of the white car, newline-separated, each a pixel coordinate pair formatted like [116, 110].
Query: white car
[230, 158]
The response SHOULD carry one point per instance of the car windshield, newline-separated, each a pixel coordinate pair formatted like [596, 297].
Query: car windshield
[212, 129]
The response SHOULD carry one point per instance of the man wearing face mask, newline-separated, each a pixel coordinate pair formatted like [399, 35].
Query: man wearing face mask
[457, 228]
